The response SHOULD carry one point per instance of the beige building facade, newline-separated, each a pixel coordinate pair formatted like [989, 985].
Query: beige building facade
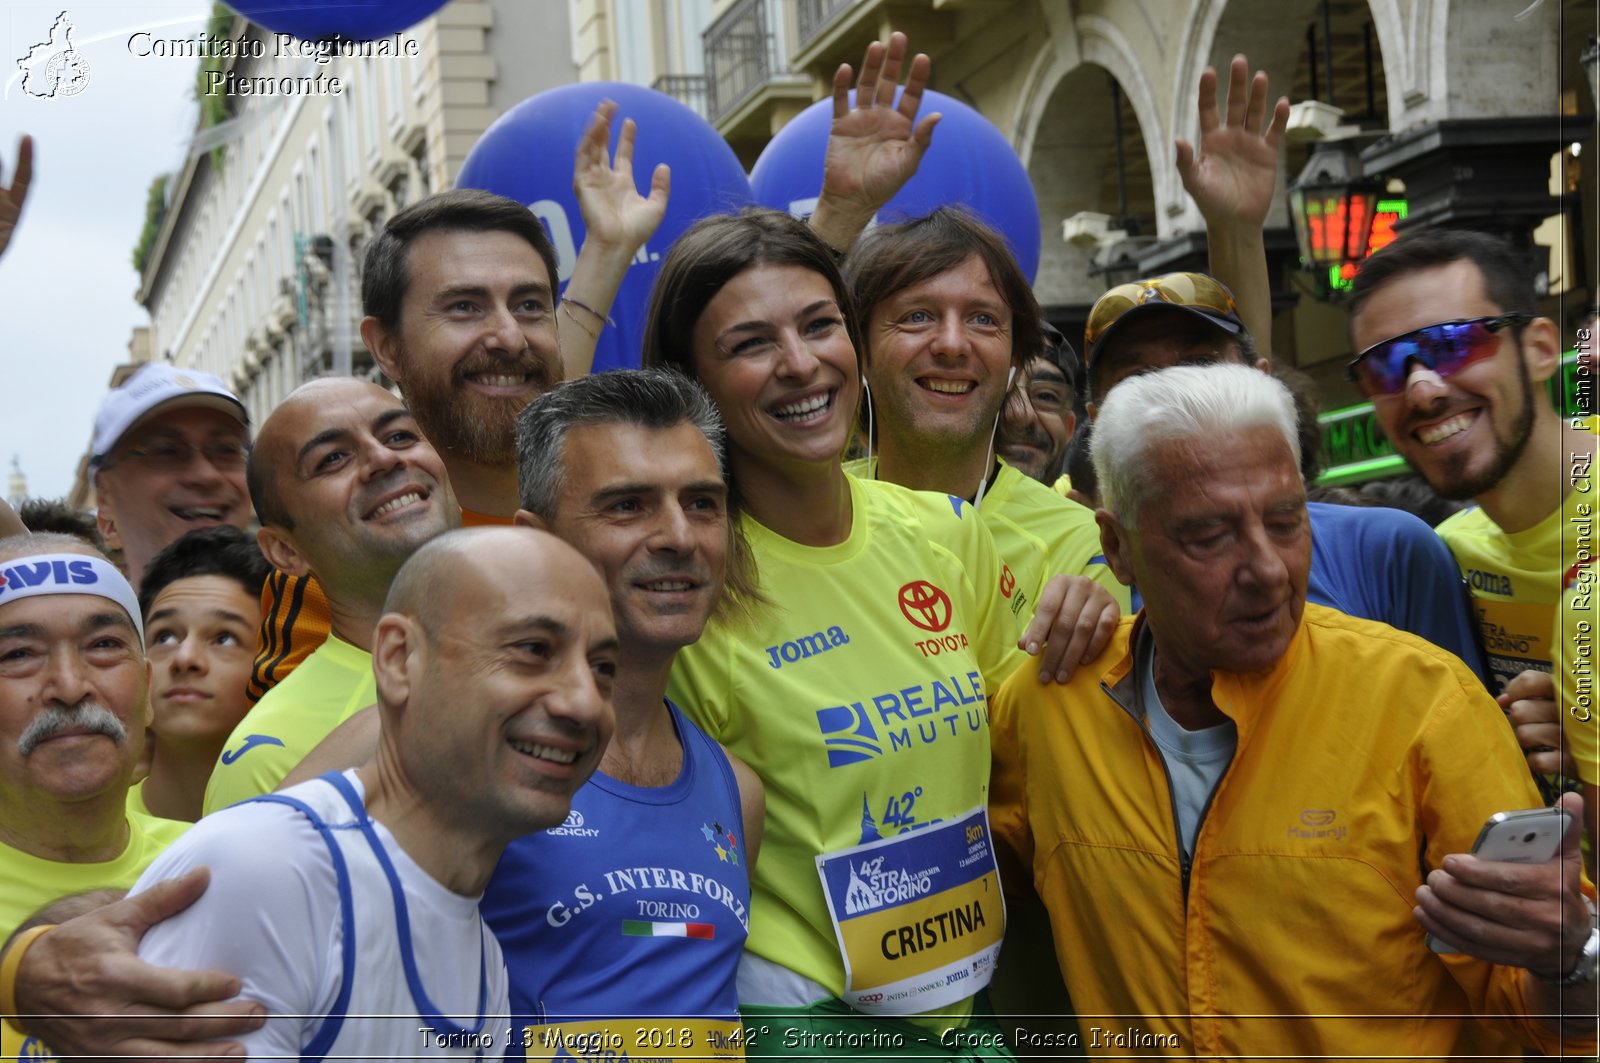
[254, 272]
[1469, 108]
[1477, 113]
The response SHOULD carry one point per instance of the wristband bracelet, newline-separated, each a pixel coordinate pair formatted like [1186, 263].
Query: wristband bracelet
[592, 333]
[9, 963]
[598, 316]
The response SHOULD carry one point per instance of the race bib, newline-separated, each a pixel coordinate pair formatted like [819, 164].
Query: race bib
[918, 916]
[1516, 636]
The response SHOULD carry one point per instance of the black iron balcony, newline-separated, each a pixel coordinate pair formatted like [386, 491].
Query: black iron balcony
[687, 89]
[812, 16]
[739, 55]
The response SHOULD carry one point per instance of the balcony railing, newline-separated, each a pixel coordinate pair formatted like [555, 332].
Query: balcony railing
[740, 55]
[812, 16]
[687, 89]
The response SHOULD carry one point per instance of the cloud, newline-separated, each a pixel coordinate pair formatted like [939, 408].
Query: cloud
[67, 282]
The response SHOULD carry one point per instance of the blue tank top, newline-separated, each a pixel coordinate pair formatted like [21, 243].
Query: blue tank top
[637, 906]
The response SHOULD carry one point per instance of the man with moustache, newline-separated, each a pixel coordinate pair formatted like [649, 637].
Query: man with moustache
[346, 488]
[73, 710]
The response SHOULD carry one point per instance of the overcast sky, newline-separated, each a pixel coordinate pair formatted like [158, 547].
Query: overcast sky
[67, 283]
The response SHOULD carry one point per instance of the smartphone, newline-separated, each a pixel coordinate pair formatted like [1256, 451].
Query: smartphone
[1528, 836]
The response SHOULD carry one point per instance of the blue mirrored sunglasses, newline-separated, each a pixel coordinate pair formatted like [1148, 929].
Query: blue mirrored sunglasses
[1445, 348]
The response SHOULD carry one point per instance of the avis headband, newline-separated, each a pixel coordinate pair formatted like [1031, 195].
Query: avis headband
[25, 577]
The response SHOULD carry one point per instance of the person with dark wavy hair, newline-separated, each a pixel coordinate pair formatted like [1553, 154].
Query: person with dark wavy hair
[201, 599]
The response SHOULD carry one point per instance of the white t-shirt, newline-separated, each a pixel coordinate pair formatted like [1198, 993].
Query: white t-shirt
[1196, 760]
[273, 916]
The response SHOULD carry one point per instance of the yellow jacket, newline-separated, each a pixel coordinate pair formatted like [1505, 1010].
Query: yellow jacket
[1364, 756]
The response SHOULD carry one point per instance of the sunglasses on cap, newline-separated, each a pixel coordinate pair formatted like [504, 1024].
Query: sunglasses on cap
[1445, 348]
[1194, 290]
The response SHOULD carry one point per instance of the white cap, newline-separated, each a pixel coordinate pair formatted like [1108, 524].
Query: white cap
[153, 387]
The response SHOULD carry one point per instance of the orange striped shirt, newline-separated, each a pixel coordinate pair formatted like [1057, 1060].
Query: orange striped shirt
[295, 619]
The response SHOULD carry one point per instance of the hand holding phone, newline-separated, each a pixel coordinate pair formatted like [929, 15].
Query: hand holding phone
[1527, 836]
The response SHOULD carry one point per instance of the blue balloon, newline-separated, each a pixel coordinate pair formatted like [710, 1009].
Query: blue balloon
[320, 20]
[527, 155]
[970, 162]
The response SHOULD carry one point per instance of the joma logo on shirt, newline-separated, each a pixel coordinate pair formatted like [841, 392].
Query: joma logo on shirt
[1489, 582]
[806, 646]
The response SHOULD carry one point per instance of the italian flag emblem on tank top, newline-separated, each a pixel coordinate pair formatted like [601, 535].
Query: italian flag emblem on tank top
[642, 928]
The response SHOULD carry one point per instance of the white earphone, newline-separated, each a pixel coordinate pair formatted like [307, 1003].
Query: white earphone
[872, 474]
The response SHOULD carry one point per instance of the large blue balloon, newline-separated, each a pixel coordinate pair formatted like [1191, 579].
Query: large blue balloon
[320, 20]
[970, 162]
[527, 155]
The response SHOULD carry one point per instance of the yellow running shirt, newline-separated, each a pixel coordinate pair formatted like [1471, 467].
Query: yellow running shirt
[1517, 580]
[859, 696]
[328, 688]
[1039, 534]
[28, 883]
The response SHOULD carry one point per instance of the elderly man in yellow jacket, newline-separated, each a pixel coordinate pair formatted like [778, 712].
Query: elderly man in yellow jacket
[1247, 814]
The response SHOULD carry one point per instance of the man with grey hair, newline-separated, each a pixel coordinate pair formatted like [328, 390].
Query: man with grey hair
[73, 709]
[1234, 747]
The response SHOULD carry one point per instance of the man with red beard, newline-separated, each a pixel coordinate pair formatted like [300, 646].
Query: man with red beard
[460, 296]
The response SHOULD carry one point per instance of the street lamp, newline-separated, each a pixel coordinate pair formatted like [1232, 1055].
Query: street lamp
[1331, 206]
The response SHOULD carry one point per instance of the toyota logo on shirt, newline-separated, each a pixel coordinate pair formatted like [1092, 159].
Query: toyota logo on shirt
[925, 605]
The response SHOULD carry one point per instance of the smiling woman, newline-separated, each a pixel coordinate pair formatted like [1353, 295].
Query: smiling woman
[904, 591]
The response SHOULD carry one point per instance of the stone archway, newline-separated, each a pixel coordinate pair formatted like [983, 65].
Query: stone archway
[1073, 166]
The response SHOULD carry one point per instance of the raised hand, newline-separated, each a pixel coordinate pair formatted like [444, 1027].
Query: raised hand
[617, 221]
[614, 213]
[875, 147]
[11, 199]
[1232, 175]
